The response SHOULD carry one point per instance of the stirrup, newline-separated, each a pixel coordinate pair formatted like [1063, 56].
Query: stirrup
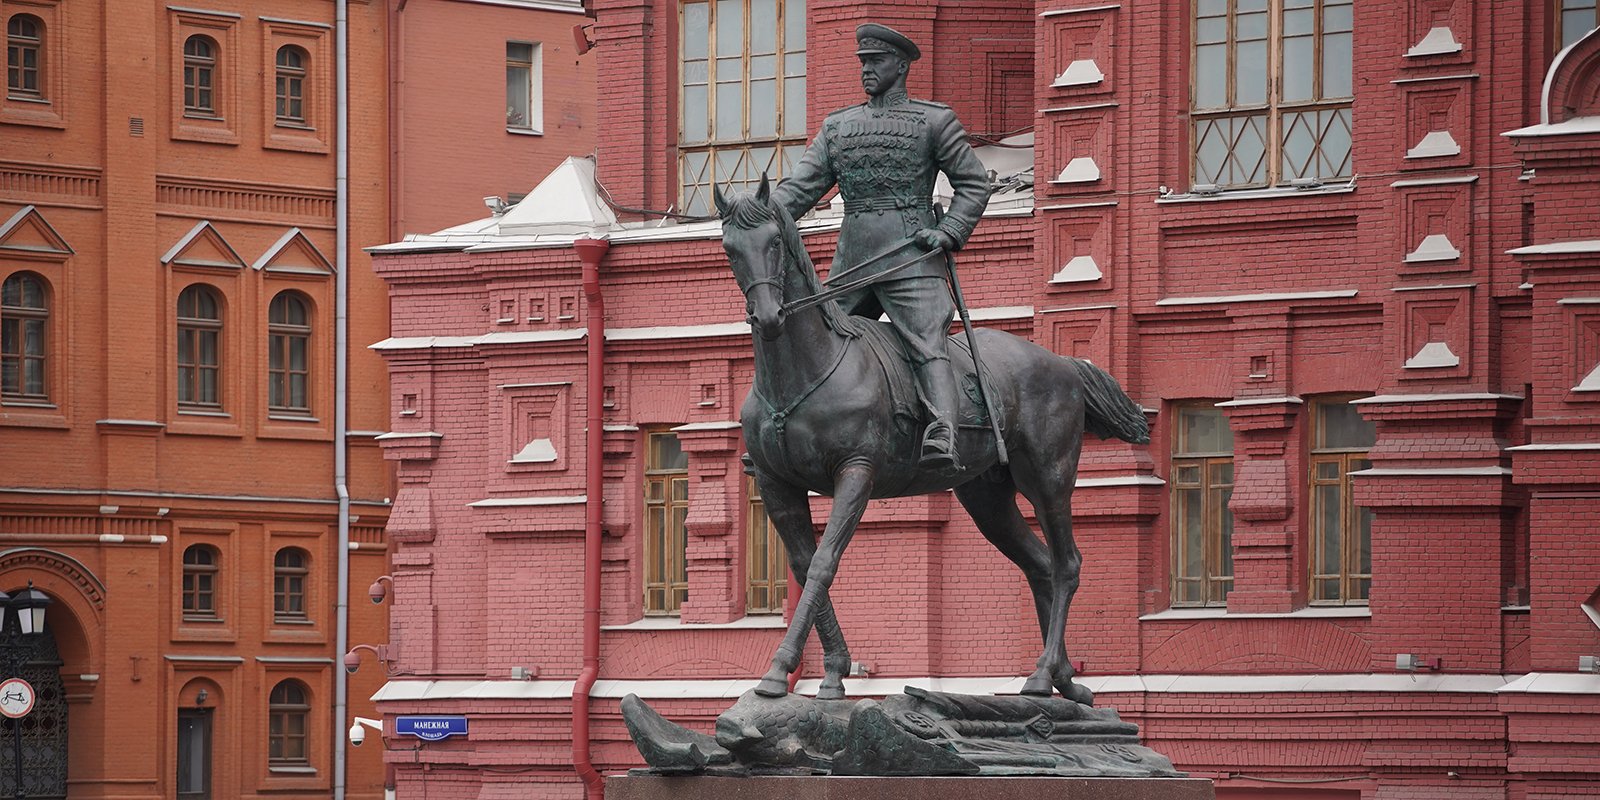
[939, 446]
[749, 464]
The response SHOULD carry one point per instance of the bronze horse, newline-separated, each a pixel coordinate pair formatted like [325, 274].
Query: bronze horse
[821, 416]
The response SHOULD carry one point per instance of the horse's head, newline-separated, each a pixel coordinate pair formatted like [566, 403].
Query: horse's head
[753, 237]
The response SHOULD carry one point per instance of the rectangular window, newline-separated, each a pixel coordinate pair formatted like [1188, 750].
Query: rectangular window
[1574, 18]
[1341, 531]
[198, 365]
[1271, 89]
[742, 100]
[524, 104]
[666, 506]
[1202, 525]
[766, 562]
[194, 754]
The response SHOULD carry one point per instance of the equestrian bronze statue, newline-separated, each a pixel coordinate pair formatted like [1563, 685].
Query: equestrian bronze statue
[829, 412]
[852, 408]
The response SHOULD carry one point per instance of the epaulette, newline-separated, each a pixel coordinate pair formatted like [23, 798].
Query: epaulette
[846, 109]
[934, 103]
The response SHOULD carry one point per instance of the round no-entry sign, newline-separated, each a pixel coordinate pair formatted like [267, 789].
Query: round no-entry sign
[16, 697]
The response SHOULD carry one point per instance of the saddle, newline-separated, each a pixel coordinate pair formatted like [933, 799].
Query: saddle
[909, 412]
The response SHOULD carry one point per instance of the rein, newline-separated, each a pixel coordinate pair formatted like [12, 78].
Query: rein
[846, 288]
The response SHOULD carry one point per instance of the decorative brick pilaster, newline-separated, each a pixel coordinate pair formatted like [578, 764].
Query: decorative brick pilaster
[1444, 507]
[713, 548]
[1266, 574]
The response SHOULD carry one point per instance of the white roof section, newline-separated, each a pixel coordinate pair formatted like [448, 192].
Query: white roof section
[565, 202]
[566, 205]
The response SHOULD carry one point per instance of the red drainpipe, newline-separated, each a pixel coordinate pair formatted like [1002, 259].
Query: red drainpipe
[590, 252]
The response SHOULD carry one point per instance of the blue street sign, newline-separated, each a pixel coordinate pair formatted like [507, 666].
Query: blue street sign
[431, 728]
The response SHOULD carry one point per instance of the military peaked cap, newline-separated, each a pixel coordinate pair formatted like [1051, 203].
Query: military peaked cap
[875, 38]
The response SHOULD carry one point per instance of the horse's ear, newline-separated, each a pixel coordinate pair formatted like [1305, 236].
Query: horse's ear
[764, 191]
[718, 200]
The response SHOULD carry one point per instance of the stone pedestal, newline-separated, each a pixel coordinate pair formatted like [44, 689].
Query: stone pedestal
[649, 787]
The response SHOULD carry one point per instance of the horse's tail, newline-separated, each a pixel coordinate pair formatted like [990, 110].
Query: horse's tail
[1108, 411]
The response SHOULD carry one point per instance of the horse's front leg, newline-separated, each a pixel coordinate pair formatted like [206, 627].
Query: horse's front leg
[852, 487]
[790, 511]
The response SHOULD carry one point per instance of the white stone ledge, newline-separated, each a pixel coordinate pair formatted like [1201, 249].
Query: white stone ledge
[715, 688]
[1382, 399]
[1261, 401]
[1263, 297]
[1553, 683]
[1434, 472]
[1579, 247]
[750, 622]
[719, 425]
[1310, 612]
[519, 502]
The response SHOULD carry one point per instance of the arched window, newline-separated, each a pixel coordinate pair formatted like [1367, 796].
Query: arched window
[287, 709]
[289, 585]
[24, 57]
[200, 565]
[291, 86]
[199, 76]
[24, 321]
[288, 340]
[199, 348]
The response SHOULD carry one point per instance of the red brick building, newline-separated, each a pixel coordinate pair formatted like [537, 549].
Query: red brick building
[1344, 255]
[182, 411]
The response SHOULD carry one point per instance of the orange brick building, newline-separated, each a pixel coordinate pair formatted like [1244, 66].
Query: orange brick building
[188, 429]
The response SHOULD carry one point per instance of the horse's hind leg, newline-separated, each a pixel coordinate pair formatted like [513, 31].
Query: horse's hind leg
[790, 513]
[1049, 487]
[993, 506]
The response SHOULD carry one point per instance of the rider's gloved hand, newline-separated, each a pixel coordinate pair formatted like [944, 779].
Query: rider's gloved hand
[934, 239]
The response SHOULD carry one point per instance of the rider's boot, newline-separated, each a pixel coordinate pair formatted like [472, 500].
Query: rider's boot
[938, 384]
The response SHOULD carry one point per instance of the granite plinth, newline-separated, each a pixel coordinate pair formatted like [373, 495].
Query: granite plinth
[700, 787]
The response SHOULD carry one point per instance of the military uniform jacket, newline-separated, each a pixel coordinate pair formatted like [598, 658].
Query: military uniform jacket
[884, 156]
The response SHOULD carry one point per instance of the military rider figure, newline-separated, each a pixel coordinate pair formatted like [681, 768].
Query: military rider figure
[884, 155]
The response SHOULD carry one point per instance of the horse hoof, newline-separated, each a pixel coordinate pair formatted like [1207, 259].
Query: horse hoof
[772, 687]
[1077, 693]
[830, 692]
[1038, 686]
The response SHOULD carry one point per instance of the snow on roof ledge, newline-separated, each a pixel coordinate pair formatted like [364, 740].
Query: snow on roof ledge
[565, 202]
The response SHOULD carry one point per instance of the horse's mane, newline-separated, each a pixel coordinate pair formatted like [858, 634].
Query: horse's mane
[746, 211]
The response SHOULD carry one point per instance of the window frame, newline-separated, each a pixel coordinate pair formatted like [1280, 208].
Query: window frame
[1274, 108]
[289, 86]
[765, 557]
[1558, 23]
[1352, 518]
[199, 328]
[200, 572]
[194, 67]
[693, 186]
[291, 585]
[1214, 581]
[280, 714]
[25, 317]
[534, 99]
[665, 545]
[18, 46]
[281, 338]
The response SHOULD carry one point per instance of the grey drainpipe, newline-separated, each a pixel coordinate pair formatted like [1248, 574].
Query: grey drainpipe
[341, 375]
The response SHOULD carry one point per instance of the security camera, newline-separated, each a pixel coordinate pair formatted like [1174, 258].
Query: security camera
[358, 735]
[352, 662]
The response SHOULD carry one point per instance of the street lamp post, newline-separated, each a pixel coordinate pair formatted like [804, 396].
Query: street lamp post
[29, 604]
